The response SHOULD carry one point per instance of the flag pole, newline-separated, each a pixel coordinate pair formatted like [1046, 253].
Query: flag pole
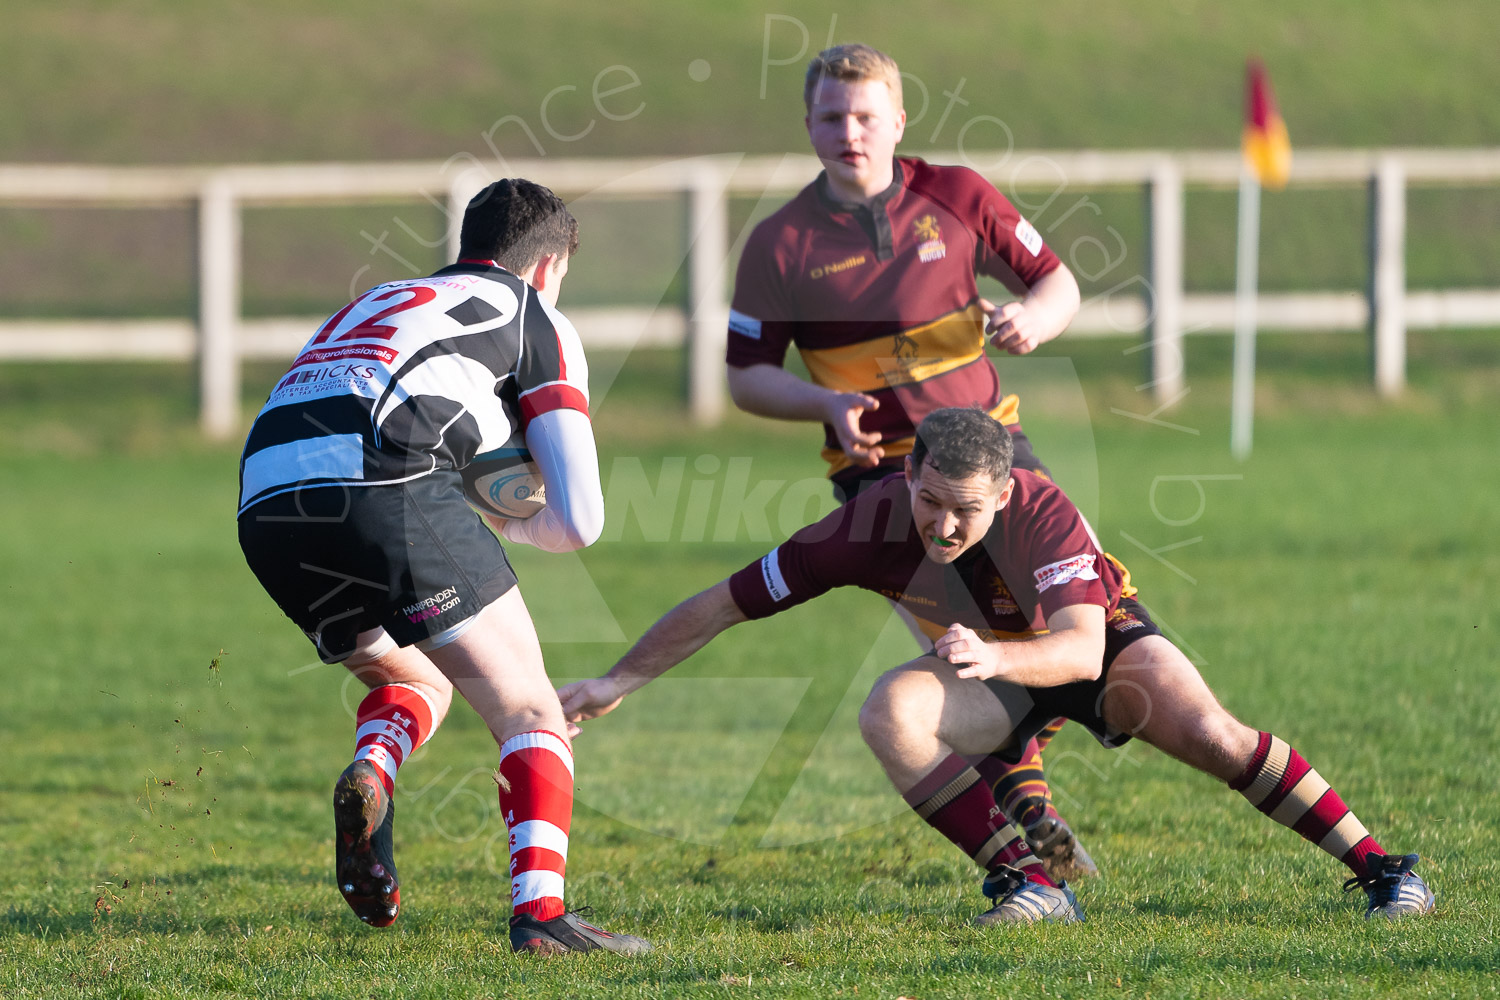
[1242, 405]
[1267, 161]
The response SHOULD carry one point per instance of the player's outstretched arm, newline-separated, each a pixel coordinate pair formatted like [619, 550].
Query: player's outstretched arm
[561, 443]
[1049, 306]
[1071, 650]
[770, 391]
[679, 634]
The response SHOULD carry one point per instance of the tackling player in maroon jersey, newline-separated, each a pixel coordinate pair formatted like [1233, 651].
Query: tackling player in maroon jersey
[1033, 623]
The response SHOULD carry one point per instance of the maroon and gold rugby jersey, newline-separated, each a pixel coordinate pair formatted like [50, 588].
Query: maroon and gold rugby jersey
[882, 299]
[1039, 556]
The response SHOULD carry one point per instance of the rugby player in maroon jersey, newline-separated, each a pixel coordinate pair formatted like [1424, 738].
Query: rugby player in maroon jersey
[1031, 622]
[870, 271]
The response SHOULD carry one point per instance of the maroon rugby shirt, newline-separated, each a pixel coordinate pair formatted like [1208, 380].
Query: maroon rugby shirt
[883, 299]
[1038, 556]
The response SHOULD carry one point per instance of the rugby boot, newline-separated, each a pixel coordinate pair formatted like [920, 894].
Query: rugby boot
[363, 817]
[1058, 849]
[1018, 901]
[1394, 890]
[568, 933]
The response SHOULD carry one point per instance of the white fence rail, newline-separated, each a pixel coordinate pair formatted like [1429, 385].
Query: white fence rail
[220, 337]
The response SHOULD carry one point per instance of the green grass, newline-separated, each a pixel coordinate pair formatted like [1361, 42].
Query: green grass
[169, 744]
[280, 81]
[100, 82]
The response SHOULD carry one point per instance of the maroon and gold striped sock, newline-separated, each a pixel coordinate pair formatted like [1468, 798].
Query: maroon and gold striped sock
[957, 803]
[1045, 736]
[1021, 789]
[1282, 785]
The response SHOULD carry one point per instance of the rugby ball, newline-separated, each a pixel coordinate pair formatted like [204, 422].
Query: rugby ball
[505, 483]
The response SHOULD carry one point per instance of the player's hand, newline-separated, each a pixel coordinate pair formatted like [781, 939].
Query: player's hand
[843, 413]
[589, 699]
[1011, 327]
[962, 646]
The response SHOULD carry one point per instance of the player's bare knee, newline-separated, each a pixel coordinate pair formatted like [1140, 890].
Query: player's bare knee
[529, 718]
[876, 718]
[901, 701]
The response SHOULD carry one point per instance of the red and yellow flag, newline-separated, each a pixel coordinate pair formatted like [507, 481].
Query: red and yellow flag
[1266, 146]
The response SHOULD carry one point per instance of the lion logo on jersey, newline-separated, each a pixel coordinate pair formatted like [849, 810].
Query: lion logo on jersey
[1002, 601]
[931, 247]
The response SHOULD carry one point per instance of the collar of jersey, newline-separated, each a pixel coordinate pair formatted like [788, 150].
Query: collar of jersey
[874, 218]
[881, 200]
[474, 265]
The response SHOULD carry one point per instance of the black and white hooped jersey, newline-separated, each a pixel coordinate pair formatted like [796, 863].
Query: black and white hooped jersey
[413, 377]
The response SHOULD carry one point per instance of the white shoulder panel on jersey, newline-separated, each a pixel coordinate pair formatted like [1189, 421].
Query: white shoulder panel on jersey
[575, 362]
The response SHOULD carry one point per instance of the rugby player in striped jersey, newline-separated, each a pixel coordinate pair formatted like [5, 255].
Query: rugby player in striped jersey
[358, 519]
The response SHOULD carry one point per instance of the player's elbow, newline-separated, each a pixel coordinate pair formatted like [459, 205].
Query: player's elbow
[1087, 671]
[583, 525]
[1066, 293]
[741, 387]
[1087, 660]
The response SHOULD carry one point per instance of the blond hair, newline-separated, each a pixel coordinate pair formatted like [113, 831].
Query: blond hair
[852, 64]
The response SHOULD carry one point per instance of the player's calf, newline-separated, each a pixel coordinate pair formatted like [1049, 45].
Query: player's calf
[1281, 784]
[1020, 788]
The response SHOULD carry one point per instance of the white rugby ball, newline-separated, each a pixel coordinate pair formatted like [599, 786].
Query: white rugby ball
[505, 483]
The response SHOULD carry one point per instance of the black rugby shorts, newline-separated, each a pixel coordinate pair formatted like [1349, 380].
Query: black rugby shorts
[411, 558]
[1081, 701]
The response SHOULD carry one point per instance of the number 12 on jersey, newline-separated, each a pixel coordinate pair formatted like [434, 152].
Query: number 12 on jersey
[370, 328]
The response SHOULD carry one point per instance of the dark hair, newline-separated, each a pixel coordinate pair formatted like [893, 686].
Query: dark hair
[961, 442]
[515, 223]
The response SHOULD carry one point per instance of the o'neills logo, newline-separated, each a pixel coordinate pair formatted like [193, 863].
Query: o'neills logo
[843, 265]
[905, 598]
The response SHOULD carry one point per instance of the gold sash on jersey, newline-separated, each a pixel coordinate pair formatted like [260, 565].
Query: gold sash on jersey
[946, 343]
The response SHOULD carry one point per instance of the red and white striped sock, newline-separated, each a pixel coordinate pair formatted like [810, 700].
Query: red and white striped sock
[1282, 785]
[393, 720]
[536, 799]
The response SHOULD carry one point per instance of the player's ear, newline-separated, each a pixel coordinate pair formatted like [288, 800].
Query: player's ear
[909, 469]
[1004, 498]
[542, 275]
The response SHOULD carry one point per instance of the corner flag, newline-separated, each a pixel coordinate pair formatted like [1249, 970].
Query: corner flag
[1266, 146]
[1267, 153]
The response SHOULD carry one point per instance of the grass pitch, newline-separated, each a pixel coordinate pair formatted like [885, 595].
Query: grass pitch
[170, 743]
